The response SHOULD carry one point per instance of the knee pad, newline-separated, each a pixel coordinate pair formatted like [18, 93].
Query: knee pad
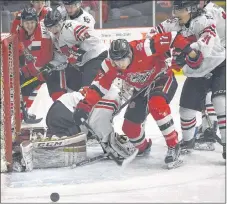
[158, 106]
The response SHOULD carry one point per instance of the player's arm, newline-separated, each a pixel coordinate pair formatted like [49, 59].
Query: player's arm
[34, 64]
[207, 35]
[15, 24]
[99, 88]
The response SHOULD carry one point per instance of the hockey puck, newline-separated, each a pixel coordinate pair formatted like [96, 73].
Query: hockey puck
[54, 197]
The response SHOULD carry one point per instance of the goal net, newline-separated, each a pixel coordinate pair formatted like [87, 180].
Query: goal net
[10, 98]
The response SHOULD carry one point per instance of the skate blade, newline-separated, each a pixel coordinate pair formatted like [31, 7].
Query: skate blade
[185, 151]
[129, 159]
[174, 165]
[204, 146]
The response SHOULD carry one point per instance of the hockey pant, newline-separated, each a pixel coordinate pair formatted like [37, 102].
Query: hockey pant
[192, 100]
[156, 102]
[78, 77]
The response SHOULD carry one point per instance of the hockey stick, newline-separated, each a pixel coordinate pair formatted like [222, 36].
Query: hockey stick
[89, 160]
[211, 126]
[57, 68]
[123, 162]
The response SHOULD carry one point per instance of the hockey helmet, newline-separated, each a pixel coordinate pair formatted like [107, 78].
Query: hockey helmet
[70, 2]
[52, 18]
[190, 5]
[29, 14]
[119, 49]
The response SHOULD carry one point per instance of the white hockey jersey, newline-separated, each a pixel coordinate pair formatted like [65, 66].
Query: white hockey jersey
[70, 100]
[219, 16]
[202, 33]
[80, 41]
[83, 17]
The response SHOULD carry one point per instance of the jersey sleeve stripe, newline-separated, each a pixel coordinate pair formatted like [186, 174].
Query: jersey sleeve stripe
[147, 48]
[78, 29]
[101, 90]
[160, 28]
[105, 67]
[210, 29]
[81, 31]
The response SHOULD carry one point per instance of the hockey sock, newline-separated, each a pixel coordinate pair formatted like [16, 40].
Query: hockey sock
[135, 133]
[188, 123]
[160, 111]
[219, 105]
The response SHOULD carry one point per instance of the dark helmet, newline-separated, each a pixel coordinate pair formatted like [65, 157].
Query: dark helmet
[119, 49]
[52, 18]
[193, 7]
[29, 14]
[70, 2]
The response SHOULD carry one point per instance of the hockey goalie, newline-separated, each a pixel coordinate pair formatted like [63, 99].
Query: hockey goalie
[65, 143]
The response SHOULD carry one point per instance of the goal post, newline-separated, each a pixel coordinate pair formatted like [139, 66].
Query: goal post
[10, 97]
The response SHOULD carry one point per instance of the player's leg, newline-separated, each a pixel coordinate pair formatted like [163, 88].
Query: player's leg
[100, 121]
[191, 100]
[159, 99]
[91, 68]
[134, 122]
[219, 100]
[60, 122]
[73, 78]
[56, 84]
[29, 93]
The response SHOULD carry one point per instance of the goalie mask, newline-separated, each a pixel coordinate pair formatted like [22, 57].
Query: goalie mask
[120, 53]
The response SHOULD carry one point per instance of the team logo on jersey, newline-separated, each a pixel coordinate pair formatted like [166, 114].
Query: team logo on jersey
[139, 77]
[86, 19]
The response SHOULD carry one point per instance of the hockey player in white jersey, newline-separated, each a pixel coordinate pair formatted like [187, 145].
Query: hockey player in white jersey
[219, 15]
[200, 29]
[74, 11]
[80, 44]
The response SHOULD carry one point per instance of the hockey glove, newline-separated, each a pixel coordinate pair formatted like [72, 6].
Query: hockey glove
[178, 58]
[81, 112]
[195, 62]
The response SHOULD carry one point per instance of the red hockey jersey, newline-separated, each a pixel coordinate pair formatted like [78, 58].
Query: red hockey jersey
[38, 48]
[144, 68]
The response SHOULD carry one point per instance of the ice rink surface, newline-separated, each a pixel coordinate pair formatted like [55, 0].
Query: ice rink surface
[201, 178]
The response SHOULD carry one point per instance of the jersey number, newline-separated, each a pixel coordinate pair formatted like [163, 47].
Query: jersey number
[206, 39]
[86, 19]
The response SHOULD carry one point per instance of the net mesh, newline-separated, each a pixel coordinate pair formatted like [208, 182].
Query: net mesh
[10, 91]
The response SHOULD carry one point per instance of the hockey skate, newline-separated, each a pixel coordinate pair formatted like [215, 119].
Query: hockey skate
[205, 140]
[120, 149]
[26, 150]
[186, 146]
[172, 158]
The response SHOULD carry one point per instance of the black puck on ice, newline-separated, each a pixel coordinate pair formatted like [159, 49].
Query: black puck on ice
[54, 197]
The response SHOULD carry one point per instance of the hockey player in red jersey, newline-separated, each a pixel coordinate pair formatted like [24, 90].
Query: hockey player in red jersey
[37, 53]
[41, 11]
[141, 64]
